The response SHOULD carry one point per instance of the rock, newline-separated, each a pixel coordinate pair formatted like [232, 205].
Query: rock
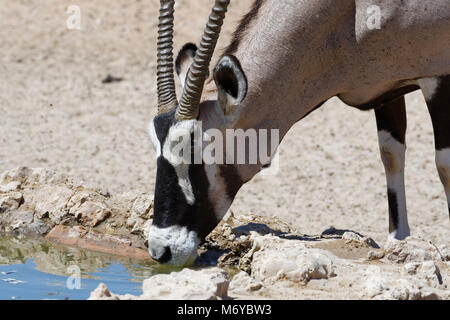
[51, 202]
[426, 270]
[445, 252]
[353, 237]
[22, 222]
[411, 249]
[375, 254]
[384, 285]
[11, 186]
[102, 293]
[10, 201]
[408, 290]
[431, 272]
[242, 283]
[141, 215]
[142, 207]
[277, 258]
[411, 268]
[240, 255]
[91, 213]
[205, 284]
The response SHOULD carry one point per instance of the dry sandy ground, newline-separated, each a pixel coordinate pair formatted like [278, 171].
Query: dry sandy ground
[56, 113]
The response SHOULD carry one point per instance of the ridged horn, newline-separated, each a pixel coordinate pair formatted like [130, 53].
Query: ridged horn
[190, 100]
[167, 97]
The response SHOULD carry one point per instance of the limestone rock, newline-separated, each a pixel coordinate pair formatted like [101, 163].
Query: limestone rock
[9, 186]
[205, 284]
[22, 222]
[90, 213]
[10, 201]
[243, 283]
[353, 237]
[375, 254]
[102, 293]
[445, 252]
[141, 215]
[426, 270]
[142, 207]
[51, 202]
[411, 249]
[383, 285]
[279, 258]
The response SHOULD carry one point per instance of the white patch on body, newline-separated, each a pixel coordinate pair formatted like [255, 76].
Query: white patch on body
[443, 165]
[183, 244]
[429, 87]
[393, 156]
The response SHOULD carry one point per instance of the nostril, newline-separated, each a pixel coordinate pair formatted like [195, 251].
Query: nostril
[165, 256]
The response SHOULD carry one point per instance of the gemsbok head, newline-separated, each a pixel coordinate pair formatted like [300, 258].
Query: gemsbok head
[191, 197]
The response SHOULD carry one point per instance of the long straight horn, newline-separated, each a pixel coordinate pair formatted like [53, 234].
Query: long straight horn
[189, 105]
[167, 97]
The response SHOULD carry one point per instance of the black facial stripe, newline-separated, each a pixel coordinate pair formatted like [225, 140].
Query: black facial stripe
[170, 202]
[393, 210]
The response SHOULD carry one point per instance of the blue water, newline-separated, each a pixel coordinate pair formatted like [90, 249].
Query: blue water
[35, 269]
[24, 281]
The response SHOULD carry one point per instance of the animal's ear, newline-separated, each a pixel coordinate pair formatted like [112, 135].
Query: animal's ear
[231, 83]
[184, 60]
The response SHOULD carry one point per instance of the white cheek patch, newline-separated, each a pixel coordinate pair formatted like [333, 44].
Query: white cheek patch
[185, 183]
[154, 139]
[429, 87]
[183, 243]
[177, 140]
[217, 191]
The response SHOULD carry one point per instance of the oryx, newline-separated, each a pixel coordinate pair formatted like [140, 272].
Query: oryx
[286, 59]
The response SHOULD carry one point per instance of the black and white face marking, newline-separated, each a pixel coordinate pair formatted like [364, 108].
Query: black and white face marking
[190, 199]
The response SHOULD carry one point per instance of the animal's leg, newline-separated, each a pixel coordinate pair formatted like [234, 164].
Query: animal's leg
[391, 124]
[437, 96]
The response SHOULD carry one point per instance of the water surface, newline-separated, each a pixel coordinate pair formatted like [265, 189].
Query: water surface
[38, 269]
